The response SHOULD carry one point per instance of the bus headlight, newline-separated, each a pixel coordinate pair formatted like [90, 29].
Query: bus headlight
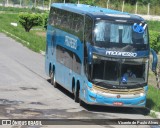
[141, 94]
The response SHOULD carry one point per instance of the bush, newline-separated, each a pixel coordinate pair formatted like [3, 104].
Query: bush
[28, 20]
[154, 41]
[36, 40]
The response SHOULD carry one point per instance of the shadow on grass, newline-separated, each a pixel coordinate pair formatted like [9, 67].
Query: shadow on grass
[150, 104]
[107, 109]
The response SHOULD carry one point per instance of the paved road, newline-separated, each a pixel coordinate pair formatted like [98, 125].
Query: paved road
[26, 93]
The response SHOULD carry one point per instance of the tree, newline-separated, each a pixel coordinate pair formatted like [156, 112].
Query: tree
[28, 20]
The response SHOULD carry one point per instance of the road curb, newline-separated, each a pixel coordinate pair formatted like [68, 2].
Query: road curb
[42, 52]
[23, 41]
[156, 113]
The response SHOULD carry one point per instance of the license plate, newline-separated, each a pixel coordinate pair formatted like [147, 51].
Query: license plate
[118, 103]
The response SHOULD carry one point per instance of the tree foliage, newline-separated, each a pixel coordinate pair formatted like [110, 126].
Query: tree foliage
[154, 40]
[28, 20]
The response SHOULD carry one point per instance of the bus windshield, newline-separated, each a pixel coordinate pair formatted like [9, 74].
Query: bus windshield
[113, 71]
[118, 35]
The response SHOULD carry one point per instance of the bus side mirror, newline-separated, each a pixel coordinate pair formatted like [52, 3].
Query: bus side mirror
[155, 60]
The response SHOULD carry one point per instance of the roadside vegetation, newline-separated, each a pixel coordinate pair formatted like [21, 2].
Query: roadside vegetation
[35, 39]
[154, 32]
[29, 21]
[153, 98]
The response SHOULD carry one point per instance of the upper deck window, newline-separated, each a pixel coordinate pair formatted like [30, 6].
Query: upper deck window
[67, 21]
[116, 34]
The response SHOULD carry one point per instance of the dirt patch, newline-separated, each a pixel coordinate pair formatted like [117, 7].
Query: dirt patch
[43, 34]
[152, 79]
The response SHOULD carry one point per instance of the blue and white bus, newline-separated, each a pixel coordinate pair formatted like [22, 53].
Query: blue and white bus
[99, 55]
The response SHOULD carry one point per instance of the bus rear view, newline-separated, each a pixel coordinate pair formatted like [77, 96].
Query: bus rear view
[113, 51]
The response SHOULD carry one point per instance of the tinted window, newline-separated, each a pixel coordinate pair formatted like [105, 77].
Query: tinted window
[67, 21]
[68, 59]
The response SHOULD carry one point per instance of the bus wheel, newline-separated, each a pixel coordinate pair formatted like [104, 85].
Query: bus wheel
[76, 95]
[53, 81]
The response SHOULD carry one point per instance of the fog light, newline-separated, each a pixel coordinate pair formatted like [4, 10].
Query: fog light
[141, 101]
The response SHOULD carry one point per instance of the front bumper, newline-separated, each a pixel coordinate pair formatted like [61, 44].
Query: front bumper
[93, 98]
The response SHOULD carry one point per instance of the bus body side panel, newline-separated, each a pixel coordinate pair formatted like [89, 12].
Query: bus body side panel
[69, 51]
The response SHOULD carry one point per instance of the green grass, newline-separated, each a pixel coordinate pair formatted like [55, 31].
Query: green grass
[154, 25]
[36, 42]
[153, 99]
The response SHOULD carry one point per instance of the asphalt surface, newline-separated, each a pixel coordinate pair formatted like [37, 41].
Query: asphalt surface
[26, 93]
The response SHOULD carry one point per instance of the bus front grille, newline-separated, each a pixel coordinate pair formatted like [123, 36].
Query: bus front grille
[119, 91]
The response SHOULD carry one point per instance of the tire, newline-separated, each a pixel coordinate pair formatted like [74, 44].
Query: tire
[76, 95]
[53, 81]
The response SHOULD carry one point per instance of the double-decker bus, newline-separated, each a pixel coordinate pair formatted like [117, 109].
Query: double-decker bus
[99, 55]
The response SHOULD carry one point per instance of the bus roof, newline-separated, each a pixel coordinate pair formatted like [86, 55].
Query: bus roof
[96, 12]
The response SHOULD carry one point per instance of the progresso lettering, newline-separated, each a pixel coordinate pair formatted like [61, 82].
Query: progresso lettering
[71, 42]
[117, 53]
